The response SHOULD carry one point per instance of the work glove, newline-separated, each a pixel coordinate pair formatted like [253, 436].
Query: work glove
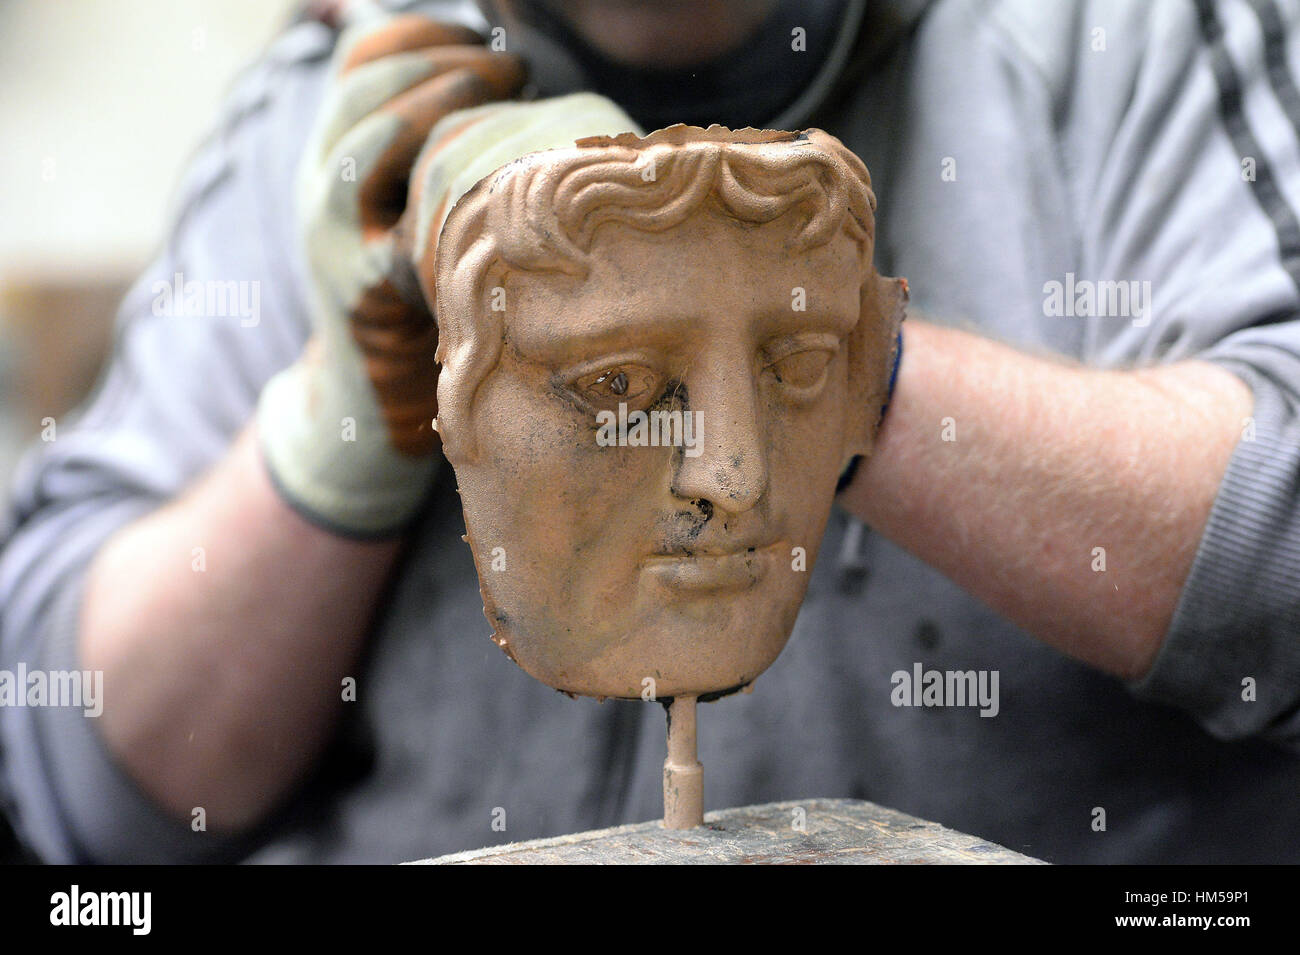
[347, 431]
[467, 146]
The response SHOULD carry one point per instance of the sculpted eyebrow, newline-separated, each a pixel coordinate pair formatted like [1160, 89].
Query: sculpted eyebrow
[623, 335]
[812, 320]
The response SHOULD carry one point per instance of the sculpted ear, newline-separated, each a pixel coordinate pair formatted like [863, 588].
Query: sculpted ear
[871, 350]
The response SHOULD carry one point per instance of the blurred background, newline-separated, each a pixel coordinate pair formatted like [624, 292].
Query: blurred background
[102, 102]
[101, 105]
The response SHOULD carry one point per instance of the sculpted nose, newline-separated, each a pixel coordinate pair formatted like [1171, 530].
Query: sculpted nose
[728, 464]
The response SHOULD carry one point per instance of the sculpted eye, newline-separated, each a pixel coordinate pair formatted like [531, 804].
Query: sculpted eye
[803, 369]
[635, 385]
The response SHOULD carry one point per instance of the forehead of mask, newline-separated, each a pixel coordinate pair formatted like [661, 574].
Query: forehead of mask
[678, 554]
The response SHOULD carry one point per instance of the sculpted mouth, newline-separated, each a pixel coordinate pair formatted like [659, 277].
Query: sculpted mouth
[714, 567]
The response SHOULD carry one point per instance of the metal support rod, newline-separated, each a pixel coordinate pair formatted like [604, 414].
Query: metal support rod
[683, 773]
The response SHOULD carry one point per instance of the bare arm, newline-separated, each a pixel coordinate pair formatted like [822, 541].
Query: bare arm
[223, 683]
[1049, 462]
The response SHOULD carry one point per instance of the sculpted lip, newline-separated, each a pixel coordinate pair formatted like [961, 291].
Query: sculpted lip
[713, 568]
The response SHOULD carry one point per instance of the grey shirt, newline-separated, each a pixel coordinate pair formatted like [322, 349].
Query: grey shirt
[1013, 144]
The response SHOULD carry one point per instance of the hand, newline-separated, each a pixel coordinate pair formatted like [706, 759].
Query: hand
[467, 147]
[347, 430]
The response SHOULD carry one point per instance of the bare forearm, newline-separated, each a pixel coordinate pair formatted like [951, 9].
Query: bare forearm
[1007, 472]
[224, 624]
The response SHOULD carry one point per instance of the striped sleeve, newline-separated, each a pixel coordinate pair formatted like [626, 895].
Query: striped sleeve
[1231, 657]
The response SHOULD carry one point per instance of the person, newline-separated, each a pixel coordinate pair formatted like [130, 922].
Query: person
[1084, 488]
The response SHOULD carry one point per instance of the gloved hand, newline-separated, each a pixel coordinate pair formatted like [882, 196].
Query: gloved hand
[346, 431]
[467, 146]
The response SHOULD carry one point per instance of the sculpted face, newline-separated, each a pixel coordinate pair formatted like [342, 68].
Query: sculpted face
[648, 452]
